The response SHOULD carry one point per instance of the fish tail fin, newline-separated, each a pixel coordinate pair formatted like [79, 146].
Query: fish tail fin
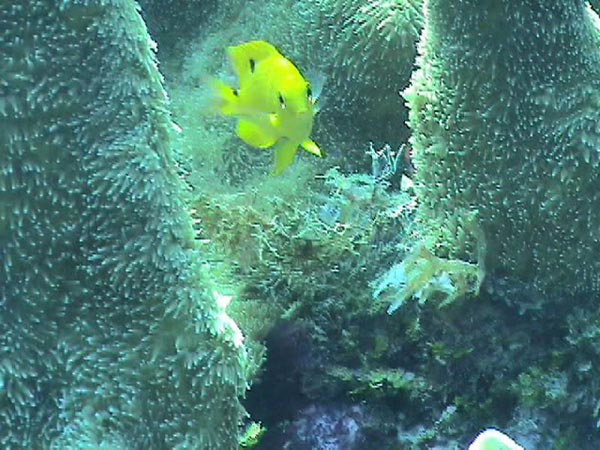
[224, 98]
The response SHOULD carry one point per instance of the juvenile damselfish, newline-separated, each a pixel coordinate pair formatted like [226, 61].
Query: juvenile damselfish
[274, 102]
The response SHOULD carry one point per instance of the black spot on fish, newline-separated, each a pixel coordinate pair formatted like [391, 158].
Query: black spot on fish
[252, 65]
[281, 101]
[235, 92]
[309, 93]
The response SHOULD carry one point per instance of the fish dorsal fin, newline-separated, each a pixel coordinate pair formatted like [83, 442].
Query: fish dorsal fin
[245, 57]
[254, 135]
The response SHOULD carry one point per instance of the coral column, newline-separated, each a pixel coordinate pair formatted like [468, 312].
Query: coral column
[110, 336]
[504, 109]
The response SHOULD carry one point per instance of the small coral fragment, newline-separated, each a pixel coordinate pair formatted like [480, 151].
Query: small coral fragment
[424, 276]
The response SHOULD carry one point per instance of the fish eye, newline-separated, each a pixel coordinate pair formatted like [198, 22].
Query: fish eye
[252, 65]
[281, 101]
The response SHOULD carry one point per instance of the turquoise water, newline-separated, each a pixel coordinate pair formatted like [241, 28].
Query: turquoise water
[433, 275]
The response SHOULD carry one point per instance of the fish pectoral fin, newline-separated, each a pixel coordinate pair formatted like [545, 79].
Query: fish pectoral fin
[285, 151]
[254, 135]
[223, 99]
[313, 148]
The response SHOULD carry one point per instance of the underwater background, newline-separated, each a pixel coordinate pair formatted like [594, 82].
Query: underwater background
[434, 276]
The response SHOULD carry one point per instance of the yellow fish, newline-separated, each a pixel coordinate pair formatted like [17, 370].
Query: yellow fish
[274, 103]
